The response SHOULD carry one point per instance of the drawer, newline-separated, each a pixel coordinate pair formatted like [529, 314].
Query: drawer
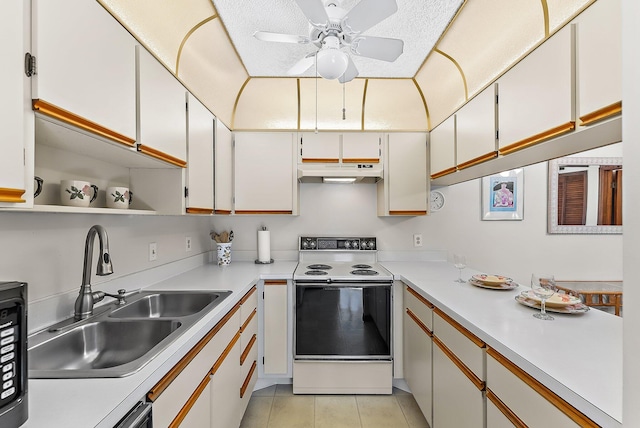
[248, 303]
[171, 393]
[247, 386]
[419, 306]
[249, 329]
[517, 394]
[248, 357]
[462, 343]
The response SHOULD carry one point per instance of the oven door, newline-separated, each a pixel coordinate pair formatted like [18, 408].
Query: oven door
[343, 321]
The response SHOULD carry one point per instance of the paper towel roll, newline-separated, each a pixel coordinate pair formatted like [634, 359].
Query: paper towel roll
[264, 246]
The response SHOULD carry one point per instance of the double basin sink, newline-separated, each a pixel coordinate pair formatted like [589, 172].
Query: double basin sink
[119, 339]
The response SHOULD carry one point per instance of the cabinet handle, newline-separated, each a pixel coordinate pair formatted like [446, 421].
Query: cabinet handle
[479, 159]
[245, 385]
[154, 153]
[443, 172]
[538, 138]
[194, 210]
[601, 114]
[11, 195]
[506, 411]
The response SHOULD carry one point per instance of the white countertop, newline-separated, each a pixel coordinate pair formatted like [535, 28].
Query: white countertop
[579, 357]
[84, 403]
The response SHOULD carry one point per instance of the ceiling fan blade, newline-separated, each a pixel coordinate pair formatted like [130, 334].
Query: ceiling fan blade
[266, 36]
[350, 73]
[366, 14]
[377, 47]
[314, 11]
[302, 65]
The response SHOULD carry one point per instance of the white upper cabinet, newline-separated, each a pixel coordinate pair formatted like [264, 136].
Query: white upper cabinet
[599, 44]
[321, 147]
[443, 148]
[476, 129]
[405, 186]
[200, 134]
[537, 95]
[162, 118]
[12, 114]
[264, 170]
[361, 147]
[223, 169]
[85, 66]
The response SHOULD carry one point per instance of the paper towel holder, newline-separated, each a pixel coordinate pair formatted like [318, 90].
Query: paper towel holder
[258, 261]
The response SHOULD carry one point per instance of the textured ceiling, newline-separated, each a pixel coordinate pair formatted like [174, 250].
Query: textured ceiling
[418, 23]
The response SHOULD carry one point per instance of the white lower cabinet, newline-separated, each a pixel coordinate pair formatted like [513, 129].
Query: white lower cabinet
[516, 396]
[418, 348]
[225, 392]
[275, 320]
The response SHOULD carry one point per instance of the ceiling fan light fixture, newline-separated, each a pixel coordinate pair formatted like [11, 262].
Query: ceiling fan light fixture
[332, 63]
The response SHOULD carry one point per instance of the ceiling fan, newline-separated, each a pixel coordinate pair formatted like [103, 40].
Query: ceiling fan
[332, 28]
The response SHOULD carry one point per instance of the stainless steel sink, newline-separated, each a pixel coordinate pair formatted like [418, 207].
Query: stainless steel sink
[118, 340]
[168, 305]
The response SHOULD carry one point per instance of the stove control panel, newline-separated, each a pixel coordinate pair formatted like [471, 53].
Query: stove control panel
[314, 243]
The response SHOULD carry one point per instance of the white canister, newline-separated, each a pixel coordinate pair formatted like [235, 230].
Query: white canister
[76, 193]
[224, 253]
[119, 197]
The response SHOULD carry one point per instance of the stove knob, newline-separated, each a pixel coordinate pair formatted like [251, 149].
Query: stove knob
[371, 245]
[305, 245]
[312, 244]
[347, 245]
[355, 244]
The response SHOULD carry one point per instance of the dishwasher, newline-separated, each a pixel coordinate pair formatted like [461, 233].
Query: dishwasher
[138, 417]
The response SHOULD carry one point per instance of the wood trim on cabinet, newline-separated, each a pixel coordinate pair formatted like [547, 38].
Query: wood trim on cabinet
[506, 411]
[320, 160]
[463, 368]
[472, 337]
[249, 318]
[246, 351]
[159, 387]
[194, 210]
[601, 114]
[245, 384]
[222, 212]
[63, 115]
[247, 295]
[11, 195]
[262, 212]
[225, 353]
[538, 138]
[155, 153]
[566, 408]
[443, 172]
[479, 159]
[275, 282]
[361, 160]
[190, 402]
[415, 294]
[417, 320]
[416, 212]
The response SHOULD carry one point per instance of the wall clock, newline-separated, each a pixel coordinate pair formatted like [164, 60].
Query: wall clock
[436, 201]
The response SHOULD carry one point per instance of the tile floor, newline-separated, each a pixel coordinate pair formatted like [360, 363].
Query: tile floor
[277, 407]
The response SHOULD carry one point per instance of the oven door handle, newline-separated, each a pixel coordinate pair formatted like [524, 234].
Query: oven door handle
[342, 284]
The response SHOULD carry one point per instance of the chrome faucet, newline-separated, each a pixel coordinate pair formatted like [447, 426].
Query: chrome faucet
[86, 299]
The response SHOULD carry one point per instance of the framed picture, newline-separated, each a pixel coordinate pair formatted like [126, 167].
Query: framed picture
[503, 195]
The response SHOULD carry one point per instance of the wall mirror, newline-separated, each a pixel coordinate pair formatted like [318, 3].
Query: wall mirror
[585, 195]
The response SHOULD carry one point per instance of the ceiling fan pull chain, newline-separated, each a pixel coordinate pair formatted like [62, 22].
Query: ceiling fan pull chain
[344, 110]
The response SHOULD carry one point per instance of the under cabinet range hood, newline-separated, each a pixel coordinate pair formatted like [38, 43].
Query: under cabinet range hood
[339, 172]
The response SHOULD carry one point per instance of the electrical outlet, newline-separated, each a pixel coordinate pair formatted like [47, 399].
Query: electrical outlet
[153, 251]
[188, 243]
[417, 240]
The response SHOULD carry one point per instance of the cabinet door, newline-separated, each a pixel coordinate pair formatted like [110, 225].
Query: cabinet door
[476, 129]
[443, 148]
[12, 117]
[600, 60]
[85, 63]
[223, 169]
[417, 364]
[361, 147]
[452, 392]
[200, 127]
[321, 147]
[276, 349]
[264, 173]
[405, 177]
[162, 115]
[225, 390]
[536, 96]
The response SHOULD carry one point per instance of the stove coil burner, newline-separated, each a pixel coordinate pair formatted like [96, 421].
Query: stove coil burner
[365, 272]
[361, 266]
[319, 267]
[315, 272]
